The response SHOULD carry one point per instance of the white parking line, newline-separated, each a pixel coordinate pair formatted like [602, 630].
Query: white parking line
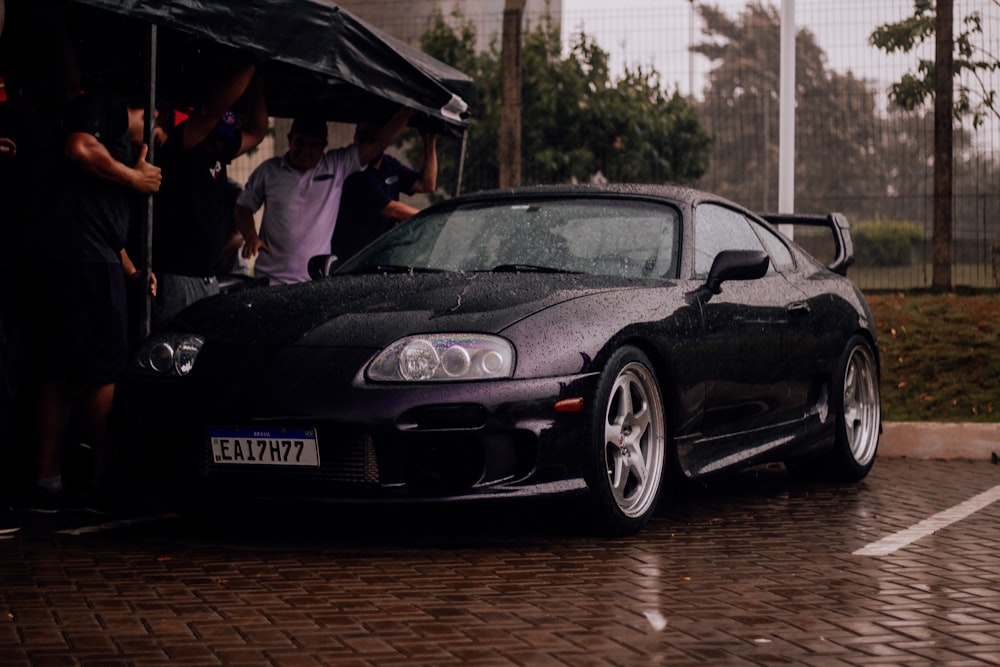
[896, 541]
[111, 525]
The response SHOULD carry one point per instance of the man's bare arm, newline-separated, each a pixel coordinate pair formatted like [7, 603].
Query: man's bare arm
[427, 182]
[201, 123]
[397, 210]
[86, 150]
[371, 147]
[254, 127]
[252, 243]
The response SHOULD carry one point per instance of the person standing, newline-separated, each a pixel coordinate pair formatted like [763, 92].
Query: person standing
[193, 213]
[79, 246]
[8, 523]
[370, 205]
[300, 192]
[8, 167]
[39, 80]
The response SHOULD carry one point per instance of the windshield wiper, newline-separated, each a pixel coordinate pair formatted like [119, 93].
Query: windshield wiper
[528, 268]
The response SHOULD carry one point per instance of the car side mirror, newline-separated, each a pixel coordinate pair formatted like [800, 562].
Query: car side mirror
[320, 266]
[736, 265]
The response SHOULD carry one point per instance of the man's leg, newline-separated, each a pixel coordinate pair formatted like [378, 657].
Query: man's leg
[8, 522]
[53, 410]
[98, 404]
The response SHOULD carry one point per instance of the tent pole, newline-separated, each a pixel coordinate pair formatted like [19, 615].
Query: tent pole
[461, 163]
[146, 260]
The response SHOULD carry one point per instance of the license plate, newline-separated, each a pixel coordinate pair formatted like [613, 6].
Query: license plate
[263, 446]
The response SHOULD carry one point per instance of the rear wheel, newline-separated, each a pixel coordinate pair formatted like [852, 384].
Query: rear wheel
[857, 409]
[627, 443]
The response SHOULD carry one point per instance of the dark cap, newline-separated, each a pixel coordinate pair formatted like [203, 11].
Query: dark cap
[311, 126]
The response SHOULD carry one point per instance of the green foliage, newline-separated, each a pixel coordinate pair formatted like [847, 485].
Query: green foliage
[940, 356]
[885, 243]
[915, 88]
[577, 121]
[452, 41]
[452, 45]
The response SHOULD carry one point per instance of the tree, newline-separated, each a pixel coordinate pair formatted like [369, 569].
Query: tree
[452, 40]
[852, 156]
[955, 55]
[974, 99]
[578, 122]
[836, 146]
[510, 98]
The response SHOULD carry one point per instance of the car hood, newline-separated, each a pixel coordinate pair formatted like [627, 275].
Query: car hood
[374, 310]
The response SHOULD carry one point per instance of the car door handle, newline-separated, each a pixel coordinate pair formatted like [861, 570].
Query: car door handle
[798, 309]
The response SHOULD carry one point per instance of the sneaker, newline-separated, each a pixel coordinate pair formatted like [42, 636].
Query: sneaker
[8, 523]
[43, 501]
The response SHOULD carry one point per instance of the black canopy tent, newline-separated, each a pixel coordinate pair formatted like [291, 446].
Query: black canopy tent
[314, 57]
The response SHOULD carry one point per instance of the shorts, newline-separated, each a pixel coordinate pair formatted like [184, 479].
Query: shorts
[83, 323]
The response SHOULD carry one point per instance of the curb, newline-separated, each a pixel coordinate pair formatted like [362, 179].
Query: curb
[932, 440]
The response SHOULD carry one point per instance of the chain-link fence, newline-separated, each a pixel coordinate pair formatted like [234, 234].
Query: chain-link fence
[856, 152]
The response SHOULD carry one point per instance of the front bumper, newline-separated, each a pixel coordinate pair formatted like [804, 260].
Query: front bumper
[377, 442]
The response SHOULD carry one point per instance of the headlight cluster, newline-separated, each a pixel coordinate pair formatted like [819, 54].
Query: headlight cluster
[444, 357]
[169, 353]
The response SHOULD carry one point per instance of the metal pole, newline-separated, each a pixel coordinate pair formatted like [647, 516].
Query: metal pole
[765, 162]
[146, 261]
[786, 132]
[691, 54]
[461, 163]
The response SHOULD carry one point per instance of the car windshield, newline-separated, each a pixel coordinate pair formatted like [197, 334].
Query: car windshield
[592, 236]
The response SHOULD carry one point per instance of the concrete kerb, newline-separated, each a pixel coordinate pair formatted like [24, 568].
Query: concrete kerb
[933, 440]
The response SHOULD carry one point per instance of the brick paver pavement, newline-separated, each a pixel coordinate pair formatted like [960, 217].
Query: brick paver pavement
[754, 571]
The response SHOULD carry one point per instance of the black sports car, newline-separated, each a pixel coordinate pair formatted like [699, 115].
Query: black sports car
[542, 340]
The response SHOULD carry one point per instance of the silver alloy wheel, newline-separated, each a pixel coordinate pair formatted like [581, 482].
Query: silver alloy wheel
[862, 406]
[634, 440]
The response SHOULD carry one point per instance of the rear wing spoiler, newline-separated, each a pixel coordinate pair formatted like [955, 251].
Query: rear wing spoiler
[836, 222]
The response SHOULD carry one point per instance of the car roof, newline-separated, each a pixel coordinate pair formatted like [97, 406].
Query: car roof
[673, 193]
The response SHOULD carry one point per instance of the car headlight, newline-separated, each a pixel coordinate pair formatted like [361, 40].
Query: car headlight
[169, 353]
[443, 357]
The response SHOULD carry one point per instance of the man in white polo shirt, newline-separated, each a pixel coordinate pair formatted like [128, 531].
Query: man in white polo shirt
[300, 192]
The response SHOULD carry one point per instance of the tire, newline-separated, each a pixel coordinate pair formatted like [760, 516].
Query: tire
[626, 444]
[858, 412]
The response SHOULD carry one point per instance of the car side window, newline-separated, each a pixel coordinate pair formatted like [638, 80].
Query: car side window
[781, 256]
[717, 228]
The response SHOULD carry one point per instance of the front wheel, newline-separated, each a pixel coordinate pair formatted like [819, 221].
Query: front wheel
[627, 443]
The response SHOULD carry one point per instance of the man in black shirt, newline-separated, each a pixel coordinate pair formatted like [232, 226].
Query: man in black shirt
[192, 215]
[79, 245]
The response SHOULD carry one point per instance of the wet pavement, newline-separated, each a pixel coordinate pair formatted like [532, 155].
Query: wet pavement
[758, 569]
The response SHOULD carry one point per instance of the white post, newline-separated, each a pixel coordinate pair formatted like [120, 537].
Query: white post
[690, 53]
[786, 119]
